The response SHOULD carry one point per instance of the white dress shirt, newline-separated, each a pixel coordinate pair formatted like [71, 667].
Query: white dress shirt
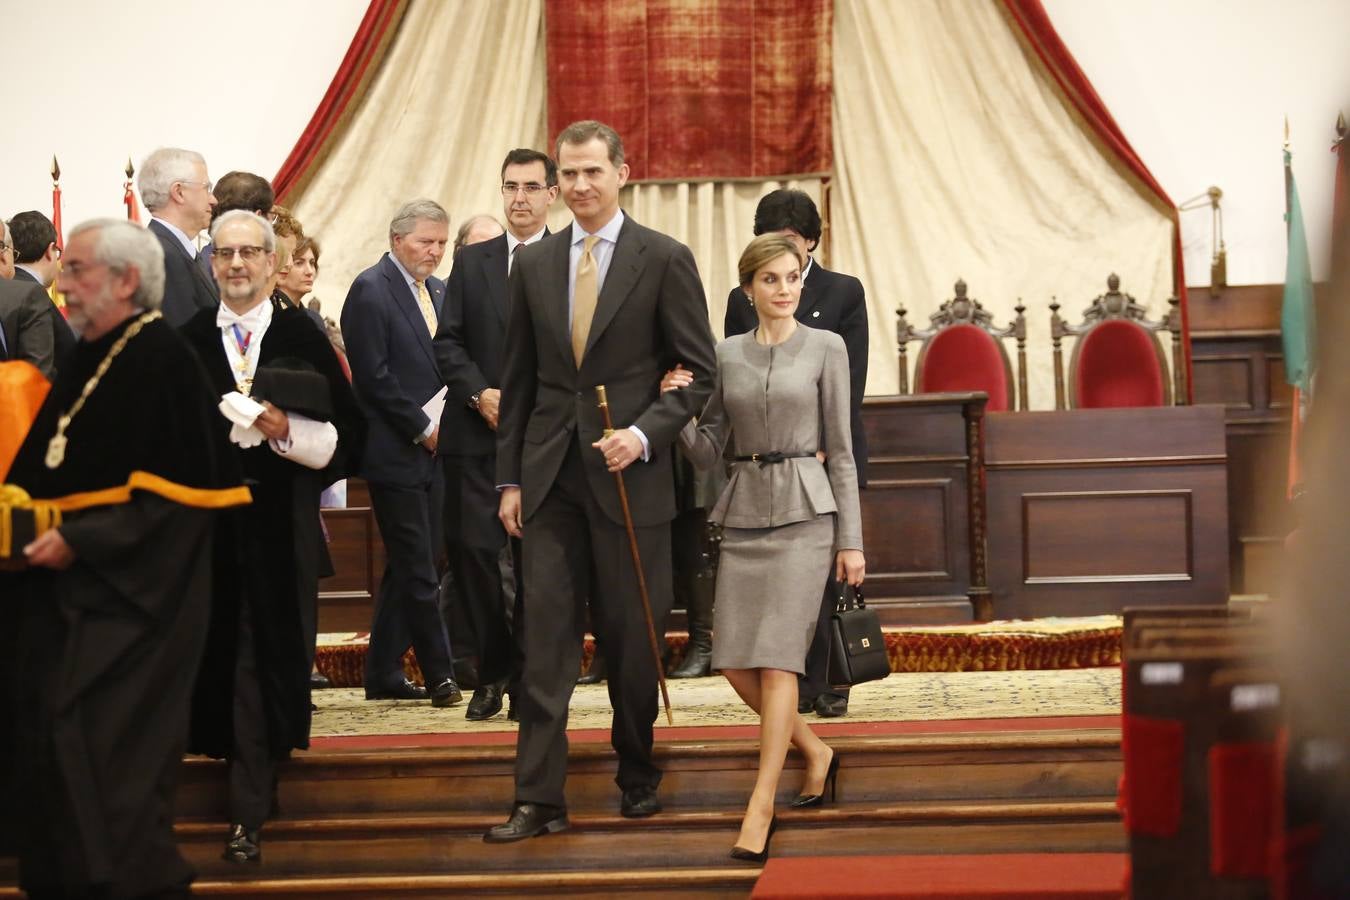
[188, 243]
[310, 443]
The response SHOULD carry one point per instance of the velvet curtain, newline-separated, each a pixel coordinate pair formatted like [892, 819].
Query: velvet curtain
[699, 89]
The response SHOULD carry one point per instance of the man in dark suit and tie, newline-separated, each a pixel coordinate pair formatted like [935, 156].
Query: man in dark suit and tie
[28, 318]
[832, 302]
[604, 302]
[469, 350]
[177, 191]
[388, 321]
[37, 260]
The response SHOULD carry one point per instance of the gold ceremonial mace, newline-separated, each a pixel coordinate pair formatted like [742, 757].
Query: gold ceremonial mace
[637, 559]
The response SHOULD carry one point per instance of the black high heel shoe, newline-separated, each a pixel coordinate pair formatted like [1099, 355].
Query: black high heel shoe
[804, 801]
[751, 856]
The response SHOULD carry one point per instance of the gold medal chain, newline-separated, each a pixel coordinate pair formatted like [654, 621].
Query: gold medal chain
[56, 447]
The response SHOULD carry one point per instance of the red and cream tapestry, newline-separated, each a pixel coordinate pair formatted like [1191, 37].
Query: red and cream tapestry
[699, 89]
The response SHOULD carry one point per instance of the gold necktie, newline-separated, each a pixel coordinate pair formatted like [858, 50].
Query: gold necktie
[428, 311]
[585, 294]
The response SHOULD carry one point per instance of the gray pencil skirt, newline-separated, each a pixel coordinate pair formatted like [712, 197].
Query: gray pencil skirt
[769, 587]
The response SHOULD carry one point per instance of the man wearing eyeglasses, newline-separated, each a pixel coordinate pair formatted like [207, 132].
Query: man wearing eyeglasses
[28, 318]
[38, 261]
[252, 703]
[177, 191]
[470, 352]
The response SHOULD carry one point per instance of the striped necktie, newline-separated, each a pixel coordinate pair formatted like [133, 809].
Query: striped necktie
[428, 311]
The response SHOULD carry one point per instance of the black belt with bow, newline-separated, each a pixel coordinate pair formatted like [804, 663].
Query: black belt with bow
[771, 458]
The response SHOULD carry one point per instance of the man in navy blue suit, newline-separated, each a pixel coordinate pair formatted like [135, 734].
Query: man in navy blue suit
[388, 321]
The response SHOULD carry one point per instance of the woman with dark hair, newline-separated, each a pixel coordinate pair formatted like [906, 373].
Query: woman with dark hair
[297, 279]
[782, 401]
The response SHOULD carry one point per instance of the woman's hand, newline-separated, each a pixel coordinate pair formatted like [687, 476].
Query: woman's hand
[676, 378]
[850, 566]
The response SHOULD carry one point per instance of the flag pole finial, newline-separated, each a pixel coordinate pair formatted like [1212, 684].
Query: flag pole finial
[56, 170]
[1340, 127]
[130, 169]
[1286, 131]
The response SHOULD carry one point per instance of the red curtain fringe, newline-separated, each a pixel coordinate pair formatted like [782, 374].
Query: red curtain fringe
[361, 61]
[1040, 33]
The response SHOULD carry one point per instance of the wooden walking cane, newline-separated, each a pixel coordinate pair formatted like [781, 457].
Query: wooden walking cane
[637, 559]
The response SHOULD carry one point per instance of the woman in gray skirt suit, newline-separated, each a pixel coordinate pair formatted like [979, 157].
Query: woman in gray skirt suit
[789, 507]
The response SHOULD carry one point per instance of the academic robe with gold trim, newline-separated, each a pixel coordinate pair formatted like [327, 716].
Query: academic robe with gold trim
[268, 554]
[101, 656]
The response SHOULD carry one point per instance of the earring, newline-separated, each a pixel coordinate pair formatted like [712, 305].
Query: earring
[750, 300]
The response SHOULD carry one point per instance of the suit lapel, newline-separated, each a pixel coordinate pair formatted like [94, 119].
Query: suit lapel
[813, 290]
[556, 278]
[624, 268]
[402, 294]
[495, 274]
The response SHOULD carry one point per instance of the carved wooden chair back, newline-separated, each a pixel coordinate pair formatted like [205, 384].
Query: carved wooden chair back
[962, 350]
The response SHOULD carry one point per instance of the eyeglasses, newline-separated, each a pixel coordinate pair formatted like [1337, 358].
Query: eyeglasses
[9, 247]
[75, 269]
[204, 185]
[509, 188]
[246, 253]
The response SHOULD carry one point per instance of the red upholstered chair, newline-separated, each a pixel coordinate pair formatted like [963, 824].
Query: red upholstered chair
[963, 351]
[1117, 359]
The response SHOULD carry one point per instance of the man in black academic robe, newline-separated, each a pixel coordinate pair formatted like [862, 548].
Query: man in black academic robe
[252, 704]
[112, 611]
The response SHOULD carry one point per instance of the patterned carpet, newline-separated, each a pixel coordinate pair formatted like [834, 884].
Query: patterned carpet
[710, 701]
[1049, 643]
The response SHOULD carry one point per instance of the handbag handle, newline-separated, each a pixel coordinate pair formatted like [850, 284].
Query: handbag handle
[843, 603]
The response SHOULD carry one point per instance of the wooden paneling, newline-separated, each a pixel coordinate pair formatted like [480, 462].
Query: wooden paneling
[919, 509]
[1090, 511]
[1146, 535]
[1238, 362]
[347, 597]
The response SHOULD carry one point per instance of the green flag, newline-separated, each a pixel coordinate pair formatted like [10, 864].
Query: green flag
[1298, 325]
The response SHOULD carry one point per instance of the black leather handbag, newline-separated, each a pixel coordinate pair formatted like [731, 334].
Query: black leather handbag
[857, 648]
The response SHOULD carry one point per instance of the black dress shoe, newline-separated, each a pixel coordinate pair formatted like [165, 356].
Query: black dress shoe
[805, 801]
[831, 706]
[243, 845]
[485, 703]
[805, 704]
[404, 690]
[753, 856]
[528, 820]
[318, 681]
[512, 715]
[446, 693]
[639, 803]
[596, 673]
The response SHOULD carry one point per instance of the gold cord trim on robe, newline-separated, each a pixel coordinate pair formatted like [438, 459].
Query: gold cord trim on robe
[201, 498]
[46, 515]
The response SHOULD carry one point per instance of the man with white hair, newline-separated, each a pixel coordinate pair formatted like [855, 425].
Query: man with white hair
[296, 428]
[388, 320]
[177, 191]
[126, 456]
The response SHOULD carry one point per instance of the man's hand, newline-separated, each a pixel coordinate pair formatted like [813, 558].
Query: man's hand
[432, 440]
[273, 423]
[676, 378]
[50, 550]
[508, 510]
[489, 406]
[621, 449]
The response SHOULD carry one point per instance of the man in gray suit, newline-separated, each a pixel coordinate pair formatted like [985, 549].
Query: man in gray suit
[177, 191]
[604, 302]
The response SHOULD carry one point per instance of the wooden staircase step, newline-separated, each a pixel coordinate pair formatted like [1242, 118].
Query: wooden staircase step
[452, 844]
[699, 775]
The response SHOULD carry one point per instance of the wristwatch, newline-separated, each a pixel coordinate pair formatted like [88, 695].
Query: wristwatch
[474, 398]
